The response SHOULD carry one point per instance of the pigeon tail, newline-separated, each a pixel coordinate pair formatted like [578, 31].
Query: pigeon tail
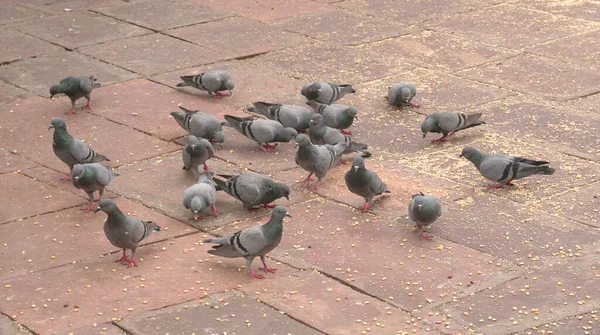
[545, 170]
[187, 81]
[478, 123]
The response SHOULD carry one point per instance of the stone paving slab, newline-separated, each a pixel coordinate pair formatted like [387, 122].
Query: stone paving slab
[587, 10]
[10, 93]
[8, 326]
[39, 74]
[11, 13]
[581, 204]
[20, 46]
[97, 329]
[267, 10]
[584, 324]
[59, 7]
[588, 105]
[12, 163]
[583, 50]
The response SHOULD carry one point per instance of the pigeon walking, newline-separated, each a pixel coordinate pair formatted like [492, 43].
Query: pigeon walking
[336, 116]
[401, 94]
[317, 159]
[262, 131]
[320, 134]
[290, 116]
[255, 241]
[253, 189]
[201, 195]
[448, 123]
[196, 152]
[504, 169]
[91, 177]
[212, 82]
[200, 124]
[364, 182]
[69, 149]
[75, 88]
[123, 231]
[326, 93]
[423, 211]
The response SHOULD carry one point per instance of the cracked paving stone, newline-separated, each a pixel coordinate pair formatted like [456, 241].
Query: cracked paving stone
[266, 10]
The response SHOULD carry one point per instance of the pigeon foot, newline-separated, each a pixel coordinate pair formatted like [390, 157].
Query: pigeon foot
[345, 132]
[205, 167]
[425, 236]
[342, 162]
[491, 187]
[215, 210]
[267, 269]
[87, 106]
[255, 275]
[414, 105]
[71, 111]
[365, 207]
[90, 207]
[268, 205]
[123, 258]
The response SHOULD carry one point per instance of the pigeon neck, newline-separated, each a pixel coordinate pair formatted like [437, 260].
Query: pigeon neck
[476, 159]
[117, 214]
[273, 228]
[87, 178]
[61, 137]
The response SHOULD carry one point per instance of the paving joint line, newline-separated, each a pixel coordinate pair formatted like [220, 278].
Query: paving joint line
[18, 324]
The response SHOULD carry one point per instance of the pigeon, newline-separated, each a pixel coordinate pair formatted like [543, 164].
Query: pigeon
[200, 124]
[211, 81]
[75, 88]
[253, 189]
[262, 131]
[91, 177]
[320, 134]
[123, 231]
[335, 116]
[201, 195]
[255, 241]
[504, 169]
[69, 149]
[325, 93]
[317, 159]
[196, 152]
[290, 116]
[364, 182]
[423, 211]
[448, 123]
[401, 94]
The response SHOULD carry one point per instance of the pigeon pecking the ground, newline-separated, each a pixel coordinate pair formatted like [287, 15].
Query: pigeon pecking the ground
[75, 88]
[262, 131]
[196, 152]
[401, 94]
[320, 134]
[69, 149]
[448, 123]
[211, 81]
[123, 231]
[317, 159]
[423, 211]
[336, 116]
[200, 124]
[290, 116]
[253, 189]
[325, 93]
[91, 177]
[504, 169]
[255, 241]
[201, 195]
[364, 182]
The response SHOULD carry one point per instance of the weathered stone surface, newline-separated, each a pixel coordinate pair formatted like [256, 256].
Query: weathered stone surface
[583, 50]
[266, 10]
[10, 93]
[97, 329]
[581, 324]
[581, 204]
[8, 326]
[18, 46]
[10, 13]
[11, 163]
[59, 7]
[581, 9]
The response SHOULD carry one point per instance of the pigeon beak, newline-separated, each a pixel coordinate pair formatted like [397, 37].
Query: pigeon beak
[310, 122]
[296, 145]
[96, 210]
[424, 134]
[52, 97]
[287, 197]
[288, 214]
[50, 127]
[356, 167]
[461, 155]
[76, 178]
[419, 206]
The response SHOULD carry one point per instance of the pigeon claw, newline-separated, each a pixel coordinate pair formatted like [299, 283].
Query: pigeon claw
[425, 236]
[255, 275]
[414, 105]
[342, 162]
[90, 207]
[67, 178]
[205, 167]
[345, 132]
[215, 210]
[123, 258]
[219, 94]
[491, 187]
[71, 111]
[268, 206]
[365, 207]
[87, 106]
[131, 263]
[268, 269]
[314, 187]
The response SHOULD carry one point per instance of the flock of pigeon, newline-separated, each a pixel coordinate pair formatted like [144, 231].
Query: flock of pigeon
[323, 139]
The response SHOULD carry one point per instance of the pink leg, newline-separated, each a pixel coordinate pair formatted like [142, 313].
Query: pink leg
[342, 162]
[205, 167]
[443, 138]
[87, 106]
[219, 94]
[90, 207]
[365, 207]
[266, 149]
[132, 262]
[68, 177]
[255, 275]
[414, 105]
[307, 180]
[424, 235]
[315, 186]
[123, 258]
[509, 183]
[345, 132]
[215, 210]
[71, 112]
[266, 268]
[268, 206]
[271, 145]
[491, 187]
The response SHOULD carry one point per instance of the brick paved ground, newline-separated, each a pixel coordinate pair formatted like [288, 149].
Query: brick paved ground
[514, 261]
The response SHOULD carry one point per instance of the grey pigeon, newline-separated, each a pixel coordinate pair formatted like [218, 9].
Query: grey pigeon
[196, 152]
[320, 134]
[253, 189]
[336, 116]
[423, 211]
[290, 116]
[255, 241]
[317, 159]
[401, 94]
[211, 81]
[262, 131]
[200, 124]
[504, 169]
[69, 149]
[364, 182]
[91, 177]
[326, 93]
[448, 123]
[201, 195]
[123, 231]
[75, 88]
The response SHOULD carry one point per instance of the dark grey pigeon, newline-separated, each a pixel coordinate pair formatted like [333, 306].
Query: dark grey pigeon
[69, 149]
[123, 231]
[423, 211]
[212, 82]
[75, 88]
[320, 134]
[317, 159]
[91, 177]
[504, 169]
[326, 93]
[290, 116]
[335, 116]
[262, 131]
[196, 152]
[448, 123]
[253, 189]
[401, 94]
[201, 196]
[251, 242]
[200, 124]
[363, 182]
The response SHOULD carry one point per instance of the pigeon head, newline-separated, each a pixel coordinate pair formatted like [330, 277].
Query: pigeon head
[283, 189]
[427, 125]
[406, 94]
[352, 111]
[55, 89]
[229, 84]
[219, 137]
[77, 172]
[279, 212]
[107, 206]
[206, 176]
[469, 153]
[302, 140]
[358, 163]
[178, 116]
[316, 120]
[312, 91]
[192, 141]
[198, 204]
[57, 123]
[290, 133]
